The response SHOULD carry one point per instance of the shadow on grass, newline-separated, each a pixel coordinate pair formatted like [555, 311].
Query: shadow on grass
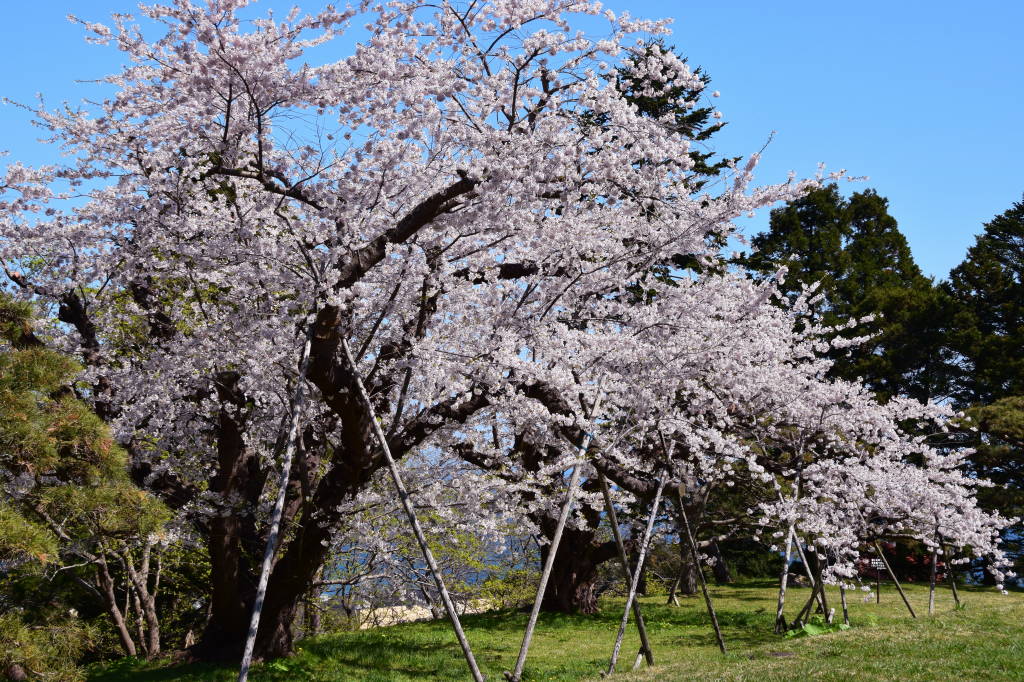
[134, 669]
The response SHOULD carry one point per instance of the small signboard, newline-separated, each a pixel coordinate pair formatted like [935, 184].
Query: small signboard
[877, 564]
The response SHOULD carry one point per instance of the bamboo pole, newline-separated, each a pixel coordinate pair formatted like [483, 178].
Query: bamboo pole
[635, 582]
[645, 645]
[403, 494]
[892, 575]
[298, 403]
[570, 496]
[700, 573]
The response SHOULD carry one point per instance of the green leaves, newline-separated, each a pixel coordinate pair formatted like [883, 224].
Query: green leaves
[816, 626]
[854, 249]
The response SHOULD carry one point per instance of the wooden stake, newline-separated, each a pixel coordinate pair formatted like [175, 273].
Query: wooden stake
[892, 575]
[842, 598]
[700, 573]
[410, 512]
[645, 645]
[635, 582]
[298, 402]
[570, 496]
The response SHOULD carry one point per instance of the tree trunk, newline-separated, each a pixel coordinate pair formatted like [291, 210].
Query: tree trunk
[144, 599]
[687, 574]
[232, 542]
[106, 585]
[572, 587]
[720, 568]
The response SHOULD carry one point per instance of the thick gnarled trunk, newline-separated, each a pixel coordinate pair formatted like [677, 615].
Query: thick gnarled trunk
[572, 587]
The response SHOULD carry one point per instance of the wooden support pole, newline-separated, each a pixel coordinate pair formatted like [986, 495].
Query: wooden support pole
[822, 599]
[846, 611]
[892, 575]
[672, 599]
[635, 582]
[810, 576]
[645, 644]
[570, 495]
[780, 619]
[805, 612]
[951, 573]
[700, 573]
[410, 512]
[931, 585]
[297, 404]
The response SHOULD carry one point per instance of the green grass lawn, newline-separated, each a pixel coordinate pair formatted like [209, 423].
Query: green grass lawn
[982, 641]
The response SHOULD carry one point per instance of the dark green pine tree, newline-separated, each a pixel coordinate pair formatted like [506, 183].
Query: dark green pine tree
[682, 102]
[853, 248]
[989, 290]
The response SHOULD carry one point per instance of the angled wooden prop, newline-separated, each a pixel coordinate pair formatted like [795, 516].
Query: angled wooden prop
[892, 575]
[403, 494]
[570, 496]
[635, 582]
[700, 573]
[298, 402]
[645, 645]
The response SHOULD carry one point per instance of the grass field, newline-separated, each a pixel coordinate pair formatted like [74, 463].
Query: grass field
[981, 641]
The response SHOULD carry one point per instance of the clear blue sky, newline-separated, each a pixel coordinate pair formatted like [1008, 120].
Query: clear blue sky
[925, 98]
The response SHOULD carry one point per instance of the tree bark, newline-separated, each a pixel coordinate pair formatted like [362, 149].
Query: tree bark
[572, 587]
[720, 568]
[106, 585]
[687, 574]
[145, 599]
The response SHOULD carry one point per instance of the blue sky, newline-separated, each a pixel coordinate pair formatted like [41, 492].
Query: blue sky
[924, 98]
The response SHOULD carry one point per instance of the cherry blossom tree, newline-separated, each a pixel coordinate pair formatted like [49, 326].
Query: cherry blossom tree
[470, 201]
[441, 197]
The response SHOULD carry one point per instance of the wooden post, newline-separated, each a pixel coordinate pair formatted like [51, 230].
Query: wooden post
[634, 583]
[842, 598]
[892, 575]
[570, 496]
[297, 404]
[780, 620]
[410, 512]
[700, 573]
[645, 645]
